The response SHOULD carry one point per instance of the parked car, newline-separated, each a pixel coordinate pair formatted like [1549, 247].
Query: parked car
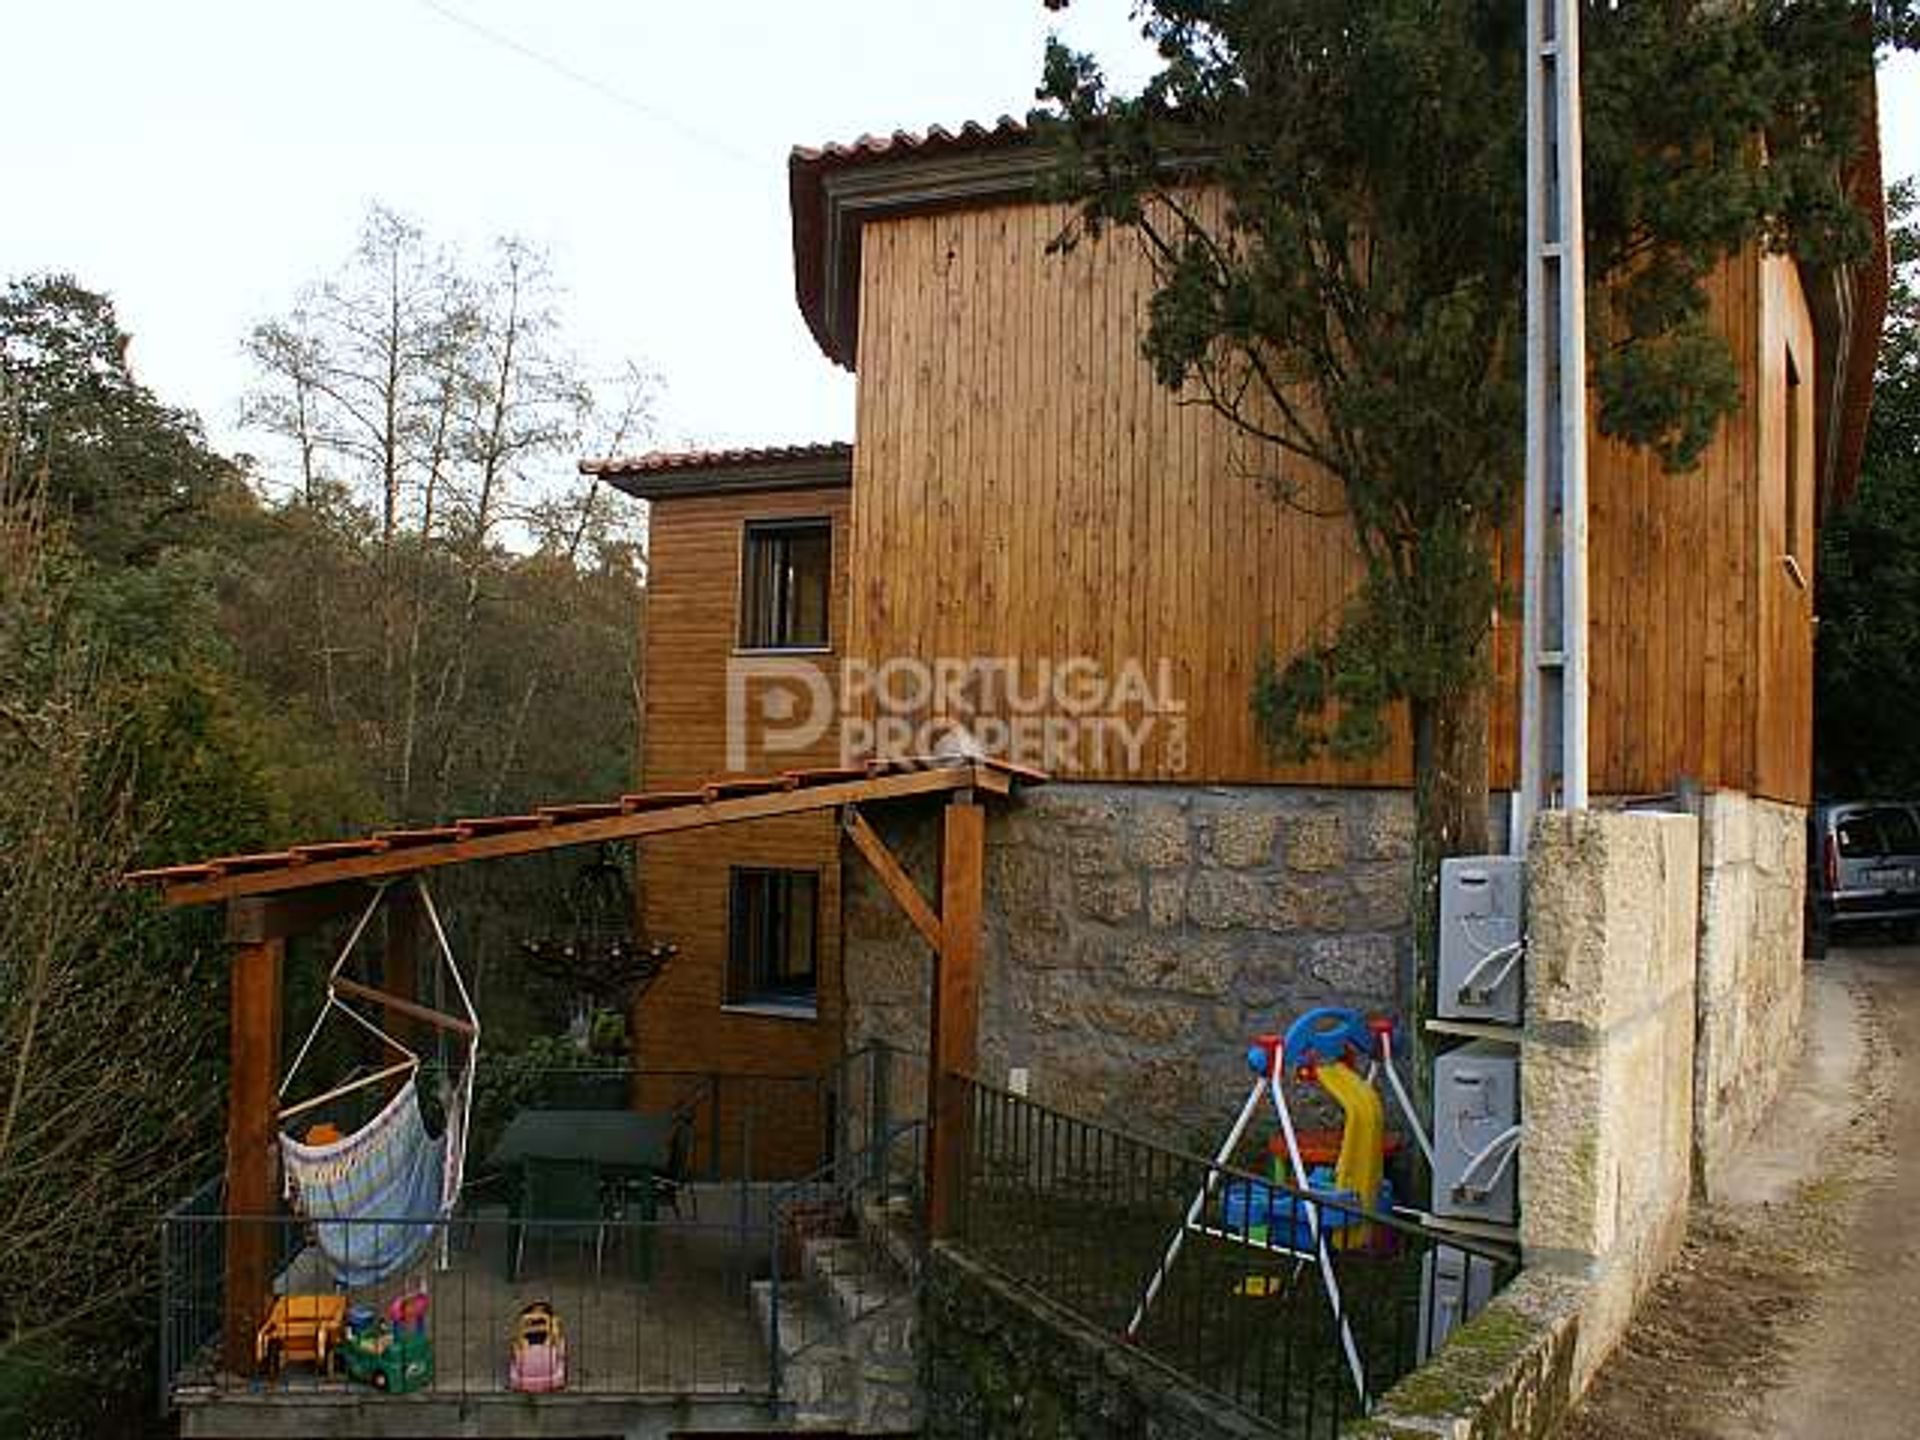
[1863, 868]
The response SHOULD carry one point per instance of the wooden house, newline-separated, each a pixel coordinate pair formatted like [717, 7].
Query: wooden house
[1020, 488]
[747, 562]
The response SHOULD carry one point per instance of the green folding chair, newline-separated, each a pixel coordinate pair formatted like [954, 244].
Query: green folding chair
[562, 1198]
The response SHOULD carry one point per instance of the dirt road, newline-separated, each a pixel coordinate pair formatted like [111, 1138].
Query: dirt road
[1855, 1370]
[1795, 1310]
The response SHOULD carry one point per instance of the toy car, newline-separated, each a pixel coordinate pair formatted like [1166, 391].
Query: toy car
[378, 1355]
[300, 1329]
[538, 1364]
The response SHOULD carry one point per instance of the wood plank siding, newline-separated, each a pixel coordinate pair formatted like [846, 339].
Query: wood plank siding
[1022, 489]
[684, 1023]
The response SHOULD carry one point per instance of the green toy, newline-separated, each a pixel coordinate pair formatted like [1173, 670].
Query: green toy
[398, 1362]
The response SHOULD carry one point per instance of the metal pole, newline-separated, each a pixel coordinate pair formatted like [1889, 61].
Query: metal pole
[1553, 699]
[1221, 1160]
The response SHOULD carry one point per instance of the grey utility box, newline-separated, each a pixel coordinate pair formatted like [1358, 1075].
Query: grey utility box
[1476, 1115]
[1481, 943]
[1454, 1285]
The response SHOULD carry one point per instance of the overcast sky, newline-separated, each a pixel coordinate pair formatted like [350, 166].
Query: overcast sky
[201, 159]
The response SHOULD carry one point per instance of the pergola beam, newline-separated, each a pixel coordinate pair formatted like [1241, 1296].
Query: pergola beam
[470, 844]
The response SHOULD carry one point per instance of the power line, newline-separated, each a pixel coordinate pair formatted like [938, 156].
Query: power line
[599, 87]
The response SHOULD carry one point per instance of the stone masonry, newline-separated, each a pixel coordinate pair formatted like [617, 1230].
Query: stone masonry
[1138, 935]
[1753, 873]
[1607, 1058]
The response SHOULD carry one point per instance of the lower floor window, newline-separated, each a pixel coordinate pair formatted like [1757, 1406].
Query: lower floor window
[772, 936]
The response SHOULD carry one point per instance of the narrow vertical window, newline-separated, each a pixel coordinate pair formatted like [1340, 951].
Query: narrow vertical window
[1796, 478]
[772, 937]
[785, 574]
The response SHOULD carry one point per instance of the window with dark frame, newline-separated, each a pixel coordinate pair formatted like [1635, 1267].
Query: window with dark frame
[785, 570]
[772, 937]
[1796, 480]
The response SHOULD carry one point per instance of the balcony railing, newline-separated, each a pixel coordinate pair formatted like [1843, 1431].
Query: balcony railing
[647, 1307]
[651, 1304]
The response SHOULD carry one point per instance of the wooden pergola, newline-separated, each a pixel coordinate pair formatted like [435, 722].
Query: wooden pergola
[274, 897]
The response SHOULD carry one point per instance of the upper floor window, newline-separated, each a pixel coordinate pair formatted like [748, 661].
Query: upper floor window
[1796, 477]
[784, 579]
[772, 934]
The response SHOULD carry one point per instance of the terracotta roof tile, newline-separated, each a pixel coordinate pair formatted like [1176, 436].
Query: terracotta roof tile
[659, 462]
[934, 140]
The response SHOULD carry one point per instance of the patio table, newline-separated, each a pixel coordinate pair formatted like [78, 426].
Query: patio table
[627, 1147]
[625, 1143]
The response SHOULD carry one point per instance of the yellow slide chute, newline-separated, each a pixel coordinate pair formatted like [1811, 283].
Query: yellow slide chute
[1362, 1161]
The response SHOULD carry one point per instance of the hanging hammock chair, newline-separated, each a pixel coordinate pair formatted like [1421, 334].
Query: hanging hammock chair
[374, 1198]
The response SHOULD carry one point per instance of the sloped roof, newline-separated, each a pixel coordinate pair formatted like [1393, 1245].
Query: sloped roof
[833, 188]
[659, 474]
[1874, 285]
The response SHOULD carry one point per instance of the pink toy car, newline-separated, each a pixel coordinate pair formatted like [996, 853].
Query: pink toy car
[538, 1365]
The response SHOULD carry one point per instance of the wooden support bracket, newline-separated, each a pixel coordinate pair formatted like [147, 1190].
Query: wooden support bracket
[893, 875]
[255, 919]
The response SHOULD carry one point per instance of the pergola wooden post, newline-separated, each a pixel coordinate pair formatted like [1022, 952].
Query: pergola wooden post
[956, 1009]
[954, 934]
[254, 1075]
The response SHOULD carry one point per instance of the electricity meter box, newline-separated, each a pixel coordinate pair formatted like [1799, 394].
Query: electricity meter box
[1481, 943]
[1476, 1133]
[1454, 1286]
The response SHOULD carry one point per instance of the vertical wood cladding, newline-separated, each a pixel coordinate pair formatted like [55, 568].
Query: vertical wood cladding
[692, 633]
[1023, 489]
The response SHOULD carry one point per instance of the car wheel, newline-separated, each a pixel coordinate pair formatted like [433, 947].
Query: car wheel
[379, 1379]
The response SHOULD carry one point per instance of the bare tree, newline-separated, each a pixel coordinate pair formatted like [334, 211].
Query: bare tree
[442, 401]
[99, 1124]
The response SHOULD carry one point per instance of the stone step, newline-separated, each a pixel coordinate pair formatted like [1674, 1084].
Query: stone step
[855, 1279]
[894, 1228]
[817, 1376]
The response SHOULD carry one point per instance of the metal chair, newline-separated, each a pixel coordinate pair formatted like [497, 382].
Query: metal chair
[560, 1197]
[671, 1181]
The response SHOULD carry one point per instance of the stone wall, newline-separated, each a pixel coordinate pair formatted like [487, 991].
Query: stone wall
[1138, 935]
[1607, 1062]
[999, 1365]
[1753, 874]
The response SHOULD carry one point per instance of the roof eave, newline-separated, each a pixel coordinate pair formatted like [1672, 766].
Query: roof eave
[834, 192]
[814, 467]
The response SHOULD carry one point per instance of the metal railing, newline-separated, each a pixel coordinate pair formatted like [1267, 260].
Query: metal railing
[651, 1304]
[648, 1306]
[1081, 1216]
[866, 1204]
